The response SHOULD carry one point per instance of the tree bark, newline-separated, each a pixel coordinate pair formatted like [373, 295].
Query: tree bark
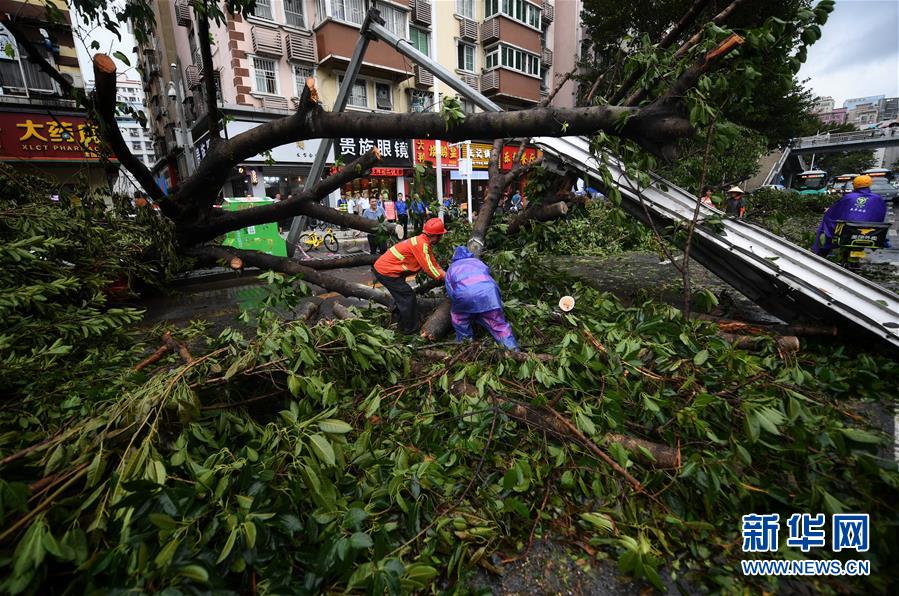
[656, 128]
[751, 343]
[307, 310]
[539, 213]
[269, 262]
[105, 105]
[212, 105]
[358, 260]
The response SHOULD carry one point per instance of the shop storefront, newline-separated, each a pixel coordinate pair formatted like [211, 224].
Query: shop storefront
[393, 173]
[454, 182]
[60, 147]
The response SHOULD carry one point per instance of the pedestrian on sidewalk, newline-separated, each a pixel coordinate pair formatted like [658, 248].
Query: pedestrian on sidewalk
[389, 206]
[407, 258]
[376, 213]
[402, 213]
[475, 297]
[419, 213]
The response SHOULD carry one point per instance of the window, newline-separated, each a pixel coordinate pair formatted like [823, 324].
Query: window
[300, 74]
[263, 9]
[520, 10]
[509, 57]
[266, 75]
[136, 145]
[358, 94]
[293, 12]
[148, 145]
[420, 39]
[466, 56]
[351, 11]
[465, 8]
[394, 19]
[383, 96]
[468, 106]
[419, 101]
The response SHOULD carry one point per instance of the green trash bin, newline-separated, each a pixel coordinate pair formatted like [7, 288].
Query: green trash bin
[263, 238]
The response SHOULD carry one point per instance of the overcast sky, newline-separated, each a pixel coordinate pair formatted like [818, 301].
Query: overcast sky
[858, 53]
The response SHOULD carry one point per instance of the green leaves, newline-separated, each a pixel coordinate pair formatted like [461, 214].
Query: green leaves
[332, 426]
[322, 449]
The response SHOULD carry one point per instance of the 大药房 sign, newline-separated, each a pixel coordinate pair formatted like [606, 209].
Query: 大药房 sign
[42, 137]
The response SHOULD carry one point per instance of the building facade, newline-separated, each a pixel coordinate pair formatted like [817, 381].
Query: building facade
[889, 108]
[261, 62]
[41, 129]
[837, 116]
[823, 105]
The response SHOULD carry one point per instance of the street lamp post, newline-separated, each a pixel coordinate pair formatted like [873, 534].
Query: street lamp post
[174, 93]
[468, 168]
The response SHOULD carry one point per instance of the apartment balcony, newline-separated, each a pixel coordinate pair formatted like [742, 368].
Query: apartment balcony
[423, 77]
[468, 29]
[182, 13]
[501, 28]
[510, 87]
[421, 12]
[547, 57]
[336, 41]
[549, 12]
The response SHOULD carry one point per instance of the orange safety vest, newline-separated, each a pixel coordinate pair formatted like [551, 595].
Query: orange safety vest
[409, 256]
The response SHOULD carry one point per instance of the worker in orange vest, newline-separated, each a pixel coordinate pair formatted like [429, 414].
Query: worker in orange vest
[405, 258]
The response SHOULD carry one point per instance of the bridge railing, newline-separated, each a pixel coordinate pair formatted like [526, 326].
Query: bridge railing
[844, 137]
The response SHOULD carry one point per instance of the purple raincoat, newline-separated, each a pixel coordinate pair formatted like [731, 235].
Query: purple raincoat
[469, 284]
[859, 206]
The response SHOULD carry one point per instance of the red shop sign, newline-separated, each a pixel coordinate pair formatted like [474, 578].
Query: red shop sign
[530, 154]
[378, 172]
[41, 137]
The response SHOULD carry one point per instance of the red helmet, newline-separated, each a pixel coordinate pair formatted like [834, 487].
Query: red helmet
[434, 227]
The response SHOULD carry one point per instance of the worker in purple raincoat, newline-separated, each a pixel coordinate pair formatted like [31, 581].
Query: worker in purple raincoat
[862, 205]
[476, 298]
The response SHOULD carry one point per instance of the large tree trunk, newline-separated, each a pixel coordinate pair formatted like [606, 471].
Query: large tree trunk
[538, 213]
[269, 262]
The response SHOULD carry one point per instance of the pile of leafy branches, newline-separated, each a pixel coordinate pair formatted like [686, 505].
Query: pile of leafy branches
[788, 214]
[335, 457]
[61, 263]
[599, 228]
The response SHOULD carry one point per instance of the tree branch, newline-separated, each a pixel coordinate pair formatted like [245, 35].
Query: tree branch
[235, 220]
[104, 107]
[637, 96]
[538, 213]
[653, 127]
[212, 104]
[673, 35]
[284, 265]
